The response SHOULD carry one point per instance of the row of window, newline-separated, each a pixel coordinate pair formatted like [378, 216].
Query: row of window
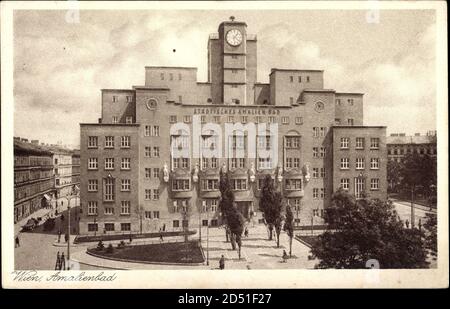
[125, 185]
[151, 194]
[150, 152]
[128, 119]
[115, 98]
[360, 143]
[22, 176]
[125, 208]
[125, 164]
[32, 189]
[319, 131]
[243, 119]
[32, 161]
[109, 142]
[349, 101]
[299, 78]
[170, 75]
[360, 163]
[151, 131]
[374, 183]
[421, 151]
[124, 227]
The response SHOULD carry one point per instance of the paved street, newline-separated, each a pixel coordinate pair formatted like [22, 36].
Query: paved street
[404, 211]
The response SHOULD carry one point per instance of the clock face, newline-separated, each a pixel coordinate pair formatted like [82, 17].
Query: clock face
[234, 37]
[319, 107]
[152, 103]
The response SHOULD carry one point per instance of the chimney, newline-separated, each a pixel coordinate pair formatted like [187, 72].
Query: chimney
[401, 134]
[416, 134]
[17, 138]
[35, 141]
[24, 140]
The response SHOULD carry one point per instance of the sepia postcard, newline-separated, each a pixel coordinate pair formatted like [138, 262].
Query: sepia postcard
[251, 144]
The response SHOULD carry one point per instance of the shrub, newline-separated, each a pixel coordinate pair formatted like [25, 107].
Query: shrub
[110, 249]
[100, 245]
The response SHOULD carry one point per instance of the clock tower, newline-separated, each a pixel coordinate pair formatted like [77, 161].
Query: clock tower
[229, 58]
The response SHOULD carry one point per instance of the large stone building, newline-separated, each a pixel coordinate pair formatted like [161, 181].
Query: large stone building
[33, 178]
[400, 144]
[147, 163]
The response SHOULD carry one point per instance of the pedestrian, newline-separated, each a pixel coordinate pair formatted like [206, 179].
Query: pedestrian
[285, 256]
[66, 237]
[161, 236]
[59, 235]
[17, 241]
[407, 223]
[131, 238]
[246, 232]
[222, 262]
[63, 262]
[420, 224]
[58, 262]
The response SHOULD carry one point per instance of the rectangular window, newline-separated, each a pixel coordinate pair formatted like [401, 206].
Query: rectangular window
[109, 141]
[345, 163]
[156, 172]
[291, 100]
[285, 120]
[125, 164]
[374, 163]
[298, 120]
[148, 214]
[244, 119]
[214, 162]
[172, 119]
[296, 162]
[109, 190]
[322, 193]
[109, 227]
[155, 131]
[293, 184]
[184, 162]
[264, 163]
[345, 142]
[315, 131]
[92, 163]
[359, 187]
[92, 227]
[350, 121]
[315, 152]
[323, 131]
[315, 172]
[214, 204]
[272, 119]
[92, 208]
[148, 151]
[125, 185]
[230, 119]
[147, 130]
[125, 142]
[338, 102]
[114, 98]
[129, 99]
[299, 79]
[337, 121]
[92, 185]
[129, 119]
[359, 143]
[187, 119]
[156, 214]
[180, 185]
[148, 194]
[322, 152]
[109, 210]
[291, 78]
[374, 184]
[345, 183]
[148, 173]
[176, 223]
[315, 193]
[210, 184]
[307, 79]
[155, 194]
[350, 102]
[92, 141]
[156, 152]
[216, 119]
[115, 119]
[374, 143]
[359, 163]
[322, 172]
[109, 163]
[125, 227]
[239, 184]
[288, 162]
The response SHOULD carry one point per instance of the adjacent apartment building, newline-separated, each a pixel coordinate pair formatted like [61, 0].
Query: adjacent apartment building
[147, 163]
[33, 178]
[399, 144]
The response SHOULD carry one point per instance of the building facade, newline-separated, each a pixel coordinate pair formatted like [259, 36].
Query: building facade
[33, 178]
[153, 159]
[399, 144]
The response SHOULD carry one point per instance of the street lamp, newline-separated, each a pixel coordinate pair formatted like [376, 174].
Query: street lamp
[75, 191]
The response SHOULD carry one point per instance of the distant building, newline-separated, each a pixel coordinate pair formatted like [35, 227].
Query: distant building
[399, 144]
[130, 179]
[42, 172]
[33, 178]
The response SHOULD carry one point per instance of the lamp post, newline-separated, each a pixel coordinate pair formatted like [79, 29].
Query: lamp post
[207, 237]
[412, 207]
[69, 198]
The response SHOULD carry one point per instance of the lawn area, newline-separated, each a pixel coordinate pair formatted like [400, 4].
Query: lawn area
[155, 253]
[308, 240]
[103, 237]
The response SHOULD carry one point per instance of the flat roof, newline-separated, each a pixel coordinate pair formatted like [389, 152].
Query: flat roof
[117, 90]
[167, 67]
[292, 70]
[150, 88]
[111, 124]
[359, 127]
[350, 93]
[319, 90]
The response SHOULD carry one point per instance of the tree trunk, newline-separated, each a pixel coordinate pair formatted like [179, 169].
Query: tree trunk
[270, 232]
[233, 241]
[278, 239]
[226, 235]
[239, 251]
[290, 246]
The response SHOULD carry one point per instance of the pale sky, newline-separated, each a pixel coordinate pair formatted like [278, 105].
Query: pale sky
[60, 67]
